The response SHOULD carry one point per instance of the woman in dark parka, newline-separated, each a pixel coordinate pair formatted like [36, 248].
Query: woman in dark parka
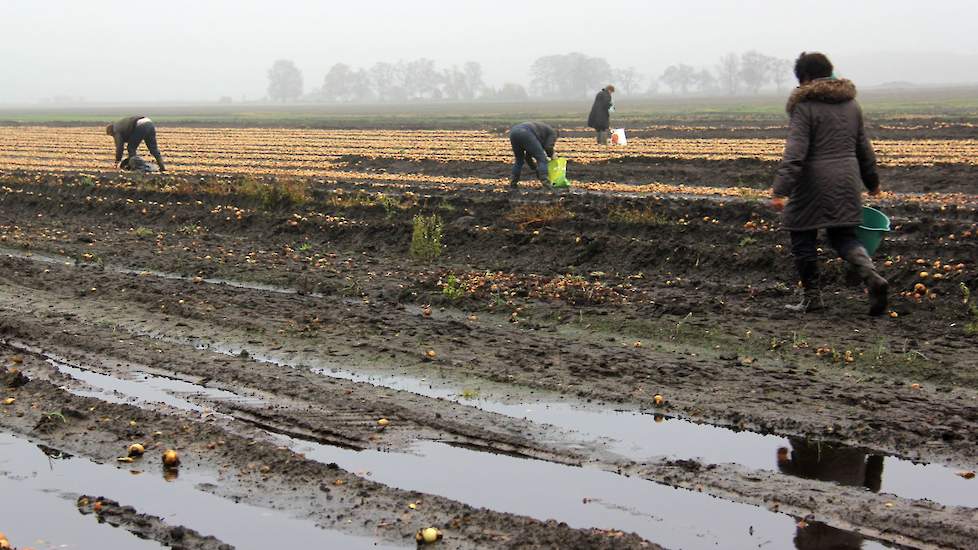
[600, 117]
[828, 160]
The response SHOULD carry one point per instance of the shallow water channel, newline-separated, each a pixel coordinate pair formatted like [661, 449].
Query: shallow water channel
[642, 436]
[581, 497]
[39, 494]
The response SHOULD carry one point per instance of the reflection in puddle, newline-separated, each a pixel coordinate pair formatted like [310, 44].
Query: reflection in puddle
[45, 489]
[835, 463]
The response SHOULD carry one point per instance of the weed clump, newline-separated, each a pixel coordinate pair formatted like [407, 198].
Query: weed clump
[144, 232]
[452, 288]
[526, 214]
[972, 307]
[426, 238]
[277, 195]
[635, 216]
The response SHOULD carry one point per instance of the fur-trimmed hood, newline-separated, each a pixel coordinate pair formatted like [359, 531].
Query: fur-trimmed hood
[823, 90]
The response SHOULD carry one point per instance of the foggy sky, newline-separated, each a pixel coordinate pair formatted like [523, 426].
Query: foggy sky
[185, 50]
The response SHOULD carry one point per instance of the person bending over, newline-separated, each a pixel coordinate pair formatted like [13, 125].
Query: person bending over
[828, 160]
[131, 131]
[533, 144]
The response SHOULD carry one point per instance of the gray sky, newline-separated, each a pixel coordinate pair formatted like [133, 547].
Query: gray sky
[111, 50]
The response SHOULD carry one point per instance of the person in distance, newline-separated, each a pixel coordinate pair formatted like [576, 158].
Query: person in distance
[600, 117]
[827, 161]
[132, 131]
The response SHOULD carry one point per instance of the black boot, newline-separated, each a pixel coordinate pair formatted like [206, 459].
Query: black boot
[812, 297]
[877, 285]
[514, 182]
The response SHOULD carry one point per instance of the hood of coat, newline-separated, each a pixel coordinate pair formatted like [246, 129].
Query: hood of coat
[823, 91]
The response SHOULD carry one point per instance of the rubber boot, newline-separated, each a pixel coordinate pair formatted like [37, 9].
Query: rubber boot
[877, 285]
[811, 299]
[514, 182]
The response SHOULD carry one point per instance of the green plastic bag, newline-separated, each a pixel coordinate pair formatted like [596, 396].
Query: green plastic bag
[557, 172]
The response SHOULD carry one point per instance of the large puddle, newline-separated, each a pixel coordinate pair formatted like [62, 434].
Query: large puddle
[642, 436]
[581, 497]
[39, 495]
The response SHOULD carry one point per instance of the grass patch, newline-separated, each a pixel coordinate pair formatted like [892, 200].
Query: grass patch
[144, 232]
[360, 199]
[636, 216]
[526, 214]
[426, 238]
[275, 196]
[971, 327]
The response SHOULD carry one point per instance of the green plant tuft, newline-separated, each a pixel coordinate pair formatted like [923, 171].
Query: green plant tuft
[426, 238]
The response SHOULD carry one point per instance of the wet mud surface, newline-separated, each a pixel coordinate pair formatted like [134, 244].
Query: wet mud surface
[583, 371]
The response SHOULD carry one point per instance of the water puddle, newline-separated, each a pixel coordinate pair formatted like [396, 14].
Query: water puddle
[641, 436]
[144, 388]
[50, 258]
[44, 490]
[581, 497]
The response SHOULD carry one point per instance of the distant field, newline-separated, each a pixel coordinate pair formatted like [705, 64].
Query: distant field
[949, 104]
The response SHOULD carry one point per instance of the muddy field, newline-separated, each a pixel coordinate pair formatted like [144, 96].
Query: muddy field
[608, 367]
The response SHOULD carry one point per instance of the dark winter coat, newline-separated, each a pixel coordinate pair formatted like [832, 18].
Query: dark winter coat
[600, 118]
[122, 130]
[545, 134]
[827, 158]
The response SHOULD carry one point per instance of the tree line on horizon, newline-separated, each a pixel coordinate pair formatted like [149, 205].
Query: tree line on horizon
[561, 76]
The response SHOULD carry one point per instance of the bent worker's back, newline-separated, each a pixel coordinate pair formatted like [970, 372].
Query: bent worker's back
[130, 132]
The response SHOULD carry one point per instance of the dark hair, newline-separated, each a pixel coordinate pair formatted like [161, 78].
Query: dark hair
[810, 66]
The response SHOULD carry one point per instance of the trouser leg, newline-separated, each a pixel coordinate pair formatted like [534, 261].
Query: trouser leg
[151, 144]
[603, 136]
[518, 154]
[534, 149]
[845, 242]
[804, 248]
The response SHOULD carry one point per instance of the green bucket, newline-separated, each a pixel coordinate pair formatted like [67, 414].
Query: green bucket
[875, 225]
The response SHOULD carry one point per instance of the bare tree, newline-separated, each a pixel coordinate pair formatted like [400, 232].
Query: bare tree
[387, 80]
[782, 71]
[628, 80]
[421, 79]
[337, 84]
[728, 73]
[569, 76]
[704, 81]
[679, 78]
[511, 92]
[755, 70]
[284, 81]
[653, 88]
[474, 85]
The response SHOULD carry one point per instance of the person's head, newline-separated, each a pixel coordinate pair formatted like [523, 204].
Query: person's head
[109, 130]
[610, 88]
[812, 66]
